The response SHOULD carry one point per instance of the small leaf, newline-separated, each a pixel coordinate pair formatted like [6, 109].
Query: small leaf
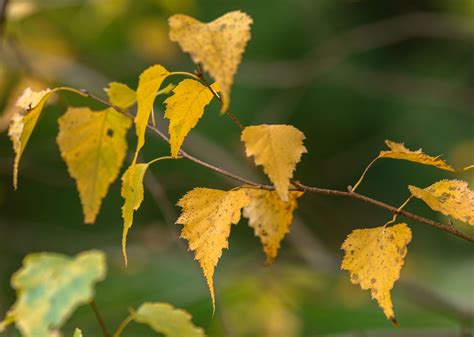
[132, 191]
[165, 319]
[184, 109]
[149, 83]
[450, 197]
[121, 95]
[50, 287]
[374, 258]
[23, 122]
[217, 45]
[93, 144]
[207, 217]
[399, 151]
[77, 333]
[278, 148]
[270, 217]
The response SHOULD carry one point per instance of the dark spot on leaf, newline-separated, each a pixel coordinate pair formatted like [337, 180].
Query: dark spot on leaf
[110, 133]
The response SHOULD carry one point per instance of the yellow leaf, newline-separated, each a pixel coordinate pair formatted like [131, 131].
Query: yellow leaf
[121, 95]
[165, 319]
[450, 197]
[93, 144]
[278, 148]
[217, 45]
[184, 109]
[77, 333]
[132, 191]
[270, 217]
[374, 258]
[24, 121]
[148, 85]
[207, 216]
[399, 151]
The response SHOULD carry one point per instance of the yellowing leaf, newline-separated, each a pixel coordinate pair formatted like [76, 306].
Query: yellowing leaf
[270, 217]
[217, 45]
[184, 109]
[132, 192]
[374, 258]
[399, 151]
[50, 287]
[77, 333]
[278, 148]
[24, 121]
[207, 216]
[93, 144]
[148, 86]
[121, 95]
[450, 197]
[165, 319]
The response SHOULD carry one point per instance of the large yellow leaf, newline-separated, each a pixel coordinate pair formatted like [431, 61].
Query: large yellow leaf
[50, 287]
[399, 151]
[148, 86]
[121, 95]
[93, 144]
[374, 258]
[450, 197]
[270, 217]
[278, 148]
[165, 319]
[23, 122]
[132, 191]
[207, 217]
[217, 45]
[184, 109]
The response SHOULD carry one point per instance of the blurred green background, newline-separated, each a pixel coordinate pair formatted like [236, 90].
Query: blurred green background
[348, 73]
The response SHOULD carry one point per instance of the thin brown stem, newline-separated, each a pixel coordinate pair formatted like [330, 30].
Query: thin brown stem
[3, 15]
[298, 186]
[101, 322]
[234, 118]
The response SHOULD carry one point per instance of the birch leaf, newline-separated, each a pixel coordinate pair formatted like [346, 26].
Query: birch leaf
[148, 86]
[165, 319]
[374, 258]
[450, 197]
[278, 148]
[399, 151]
[217, 45]
[93, 144]
[77, 333]
[50, 287]
[184, 109]
[23, 122]
[270, 217]
[207, 216]
[133, 192]
[121, 95]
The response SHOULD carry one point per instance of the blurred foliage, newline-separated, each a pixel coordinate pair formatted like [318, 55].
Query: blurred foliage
[416, 88]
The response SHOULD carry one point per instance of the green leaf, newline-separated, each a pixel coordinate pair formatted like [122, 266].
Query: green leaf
[165, 319]
[50, 287]
[77, 333]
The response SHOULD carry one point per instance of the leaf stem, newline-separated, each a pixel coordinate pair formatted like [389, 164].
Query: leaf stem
[102, 325]
[398, 211]
[123, 325]
[162, 158]
[363, 174]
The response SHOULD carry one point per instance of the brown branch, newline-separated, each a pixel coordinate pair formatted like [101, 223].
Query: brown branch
[298, 186]
[3, 15]
[103, 327]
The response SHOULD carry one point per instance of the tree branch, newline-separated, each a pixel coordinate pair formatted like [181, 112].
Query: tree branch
[298, 186]
[103, 327]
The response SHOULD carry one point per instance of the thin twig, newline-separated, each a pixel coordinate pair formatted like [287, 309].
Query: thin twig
[3, 15]
[298, 186]
[103, 327]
